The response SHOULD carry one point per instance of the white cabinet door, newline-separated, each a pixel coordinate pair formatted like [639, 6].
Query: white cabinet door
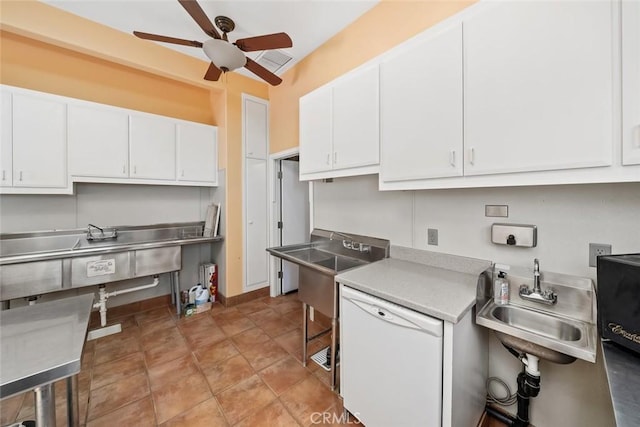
[197, 153]
[256, 231]
[98, 139]
[356, 136]
[6, 141]
[630, 82]
[256, 129]
[39, 142]
[315, 131]
[421, 109]
[152, 147]
[538, 86]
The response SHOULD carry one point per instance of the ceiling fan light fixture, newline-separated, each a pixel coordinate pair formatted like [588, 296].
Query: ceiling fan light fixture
[224, 55]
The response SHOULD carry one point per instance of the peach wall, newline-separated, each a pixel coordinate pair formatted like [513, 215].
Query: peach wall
[381, 28]
[49, 50]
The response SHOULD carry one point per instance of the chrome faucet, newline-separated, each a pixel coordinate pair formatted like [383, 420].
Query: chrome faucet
[536, 294]
[102, 236]
[350, 243]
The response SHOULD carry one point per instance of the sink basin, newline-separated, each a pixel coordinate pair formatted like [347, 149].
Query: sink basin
[543, 324]
[550, 337]
[339, 263]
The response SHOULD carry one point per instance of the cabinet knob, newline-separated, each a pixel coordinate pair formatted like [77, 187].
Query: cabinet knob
[250, 222]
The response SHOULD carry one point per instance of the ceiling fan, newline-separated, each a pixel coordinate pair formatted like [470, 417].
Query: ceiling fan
[226, 56]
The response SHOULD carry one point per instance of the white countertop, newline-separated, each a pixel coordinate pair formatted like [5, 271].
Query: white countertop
[439, 285]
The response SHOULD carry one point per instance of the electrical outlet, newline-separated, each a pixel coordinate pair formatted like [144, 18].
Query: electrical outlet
[432, 236]
[596, 250]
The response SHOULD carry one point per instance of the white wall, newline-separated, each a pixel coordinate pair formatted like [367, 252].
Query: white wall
[112, 204]
[568, 218]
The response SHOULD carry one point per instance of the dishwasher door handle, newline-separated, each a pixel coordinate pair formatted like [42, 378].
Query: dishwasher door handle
[390, 317]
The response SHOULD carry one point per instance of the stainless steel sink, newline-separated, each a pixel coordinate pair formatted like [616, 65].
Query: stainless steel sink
[340, 263]
[559, 333]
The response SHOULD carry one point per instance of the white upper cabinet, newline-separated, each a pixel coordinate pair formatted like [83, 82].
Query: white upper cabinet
[6, 140]
[538, 90]
[339, 127]
[630, 82]
[356, 136]
[421, 109]
[315, 131]
[256, 130]
[98, 141]
[197, 153]
[39, 141]
[152, 147]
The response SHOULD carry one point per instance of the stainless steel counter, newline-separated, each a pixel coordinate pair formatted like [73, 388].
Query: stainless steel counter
[41, 344]
[623, 372]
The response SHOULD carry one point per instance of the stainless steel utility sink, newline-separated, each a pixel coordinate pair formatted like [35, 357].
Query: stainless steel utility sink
[559, 333]
[339, 263]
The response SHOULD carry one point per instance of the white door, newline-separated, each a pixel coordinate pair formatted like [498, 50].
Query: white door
[197, 149]
[39, 142]
[294, 199]
[421, 110]
[152, 147]
[98, 141]
[355, 118]
[538, 89]
[315, 131]
[256, 231]
[630, 82]
[256, 129]
[6, 141]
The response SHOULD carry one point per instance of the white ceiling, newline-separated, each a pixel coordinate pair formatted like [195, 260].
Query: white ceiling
[309, 23]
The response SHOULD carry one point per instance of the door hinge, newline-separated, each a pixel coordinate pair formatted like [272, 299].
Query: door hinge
[279, 274]
[279, 224]
[279, 174]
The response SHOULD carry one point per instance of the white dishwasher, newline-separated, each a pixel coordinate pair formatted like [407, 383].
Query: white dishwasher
[391, 362]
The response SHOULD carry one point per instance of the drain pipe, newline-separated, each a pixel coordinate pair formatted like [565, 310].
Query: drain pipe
[528, 387]
[104, 295]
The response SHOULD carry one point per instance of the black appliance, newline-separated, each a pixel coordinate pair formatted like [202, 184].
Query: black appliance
[619, 299]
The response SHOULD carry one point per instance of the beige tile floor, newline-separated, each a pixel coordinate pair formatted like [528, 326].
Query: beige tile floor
[237, 366]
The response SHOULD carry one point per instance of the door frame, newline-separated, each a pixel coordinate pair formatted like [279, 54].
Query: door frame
[272, 169]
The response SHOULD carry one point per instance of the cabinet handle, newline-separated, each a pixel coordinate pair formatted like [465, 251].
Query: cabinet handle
[636, 136]
[328, 159]
[20, 175]
[4, 175]
[135, 170]
[452, 157]
[250, 222]
[182, 173]
[124, 169]
[472, 155]
[335, 157]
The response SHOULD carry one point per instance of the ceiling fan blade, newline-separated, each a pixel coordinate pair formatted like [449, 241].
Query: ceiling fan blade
[262, 72]
[166, 39]
[213, 73]
[193, 8]
[269, 41]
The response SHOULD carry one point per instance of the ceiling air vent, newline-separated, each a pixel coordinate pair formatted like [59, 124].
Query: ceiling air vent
[273, 60]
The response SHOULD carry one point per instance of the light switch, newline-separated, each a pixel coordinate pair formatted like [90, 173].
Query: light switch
[523, 235]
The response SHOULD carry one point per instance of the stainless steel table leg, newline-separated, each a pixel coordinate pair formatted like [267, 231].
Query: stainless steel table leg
[73, 412]
[334, 323]
[173, 289]
[175, 276]
[45, 406]
[305, 332]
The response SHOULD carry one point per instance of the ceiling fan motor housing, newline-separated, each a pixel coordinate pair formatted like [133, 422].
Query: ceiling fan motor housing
[224, 55]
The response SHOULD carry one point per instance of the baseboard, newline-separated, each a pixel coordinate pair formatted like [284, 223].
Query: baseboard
[242, 298]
